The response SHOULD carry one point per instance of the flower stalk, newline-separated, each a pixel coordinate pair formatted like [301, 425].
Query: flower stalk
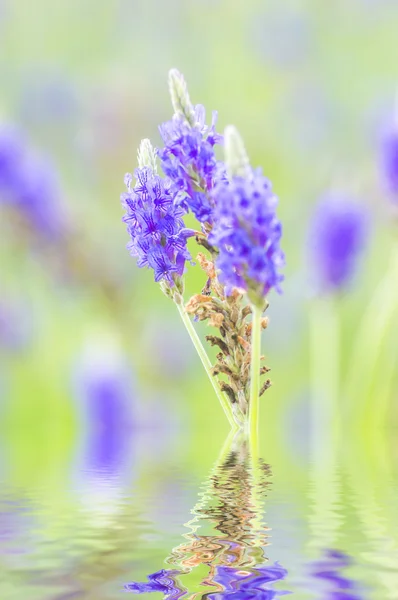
[235, 207]
[255, 374]
[226, 406]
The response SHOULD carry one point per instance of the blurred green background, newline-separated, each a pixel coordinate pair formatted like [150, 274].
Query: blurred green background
[309, 85]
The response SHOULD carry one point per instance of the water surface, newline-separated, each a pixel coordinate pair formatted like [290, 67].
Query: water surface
[141, 514]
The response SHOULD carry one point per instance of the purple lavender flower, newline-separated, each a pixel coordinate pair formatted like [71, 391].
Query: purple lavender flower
[247, 233]
[154, 222]
[389, 160]
[188, 155]
[337, 236]
[29, 183]
[105, 393]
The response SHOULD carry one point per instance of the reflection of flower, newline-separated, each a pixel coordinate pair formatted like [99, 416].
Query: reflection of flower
[161, 581]
[328, 570]
[248, 584]
[236, 583]
[232, 505]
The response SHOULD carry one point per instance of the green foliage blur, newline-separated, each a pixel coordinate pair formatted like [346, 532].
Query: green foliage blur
[308, 85]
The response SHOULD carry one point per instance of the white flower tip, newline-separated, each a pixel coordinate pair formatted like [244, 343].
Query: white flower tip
[175, 74]
[180, 97]
[147, 155]
[236, 158]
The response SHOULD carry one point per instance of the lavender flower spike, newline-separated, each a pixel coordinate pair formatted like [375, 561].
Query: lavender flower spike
[337, 236]
[247, 231]
[154, 222]
[188, 157]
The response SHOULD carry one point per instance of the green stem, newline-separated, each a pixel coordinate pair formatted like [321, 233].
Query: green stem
[255, 375]
[226, 406]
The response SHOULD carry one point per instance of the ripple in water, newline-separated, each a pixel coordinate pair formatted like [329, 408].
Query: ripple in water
[227, 536]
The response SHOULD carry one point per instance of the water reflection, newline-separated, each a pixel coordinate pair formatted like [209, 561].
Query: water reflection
[329, 579]
[372, 492]
[330, 572]
[223, 553]
[81, 520]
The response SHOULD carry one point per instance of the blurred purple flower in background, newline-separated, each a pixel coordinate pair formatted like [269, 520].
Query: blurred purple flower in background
[154, 222]
[338, 234]
[29, 183]
[188, 159]
[105, 394]
[11, 156]
[247, 233]
[389, 160]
